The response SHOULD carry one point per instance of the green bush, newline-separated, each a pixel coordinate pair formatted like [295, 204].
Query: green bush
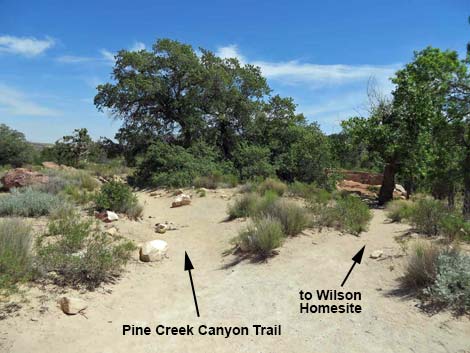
[262, 237]
[454, 227]
[253, 161]
[272, 185]
[15, 254]
[300, 189]
[14, 149]
[265, 202]
[28, 203]
[243, 206]
[347, 213]
[399, 210]
[292, 217]
[452, 282]
[118, 197]
[166, 165]
[75, 252]
[427, 216]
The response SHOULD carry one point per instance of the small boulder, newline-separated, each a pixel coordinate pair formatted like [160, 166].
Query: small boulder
[112, 231]
[181, 200]
[400, 189]
[161, 228]
[107, 216]
[376, 254]
[178, 192]
[72, 306]
[21, 177]
[154, 250]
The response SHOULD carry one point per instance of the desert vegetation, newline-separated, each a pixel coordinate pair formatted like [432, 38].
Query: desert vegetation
[205, 123]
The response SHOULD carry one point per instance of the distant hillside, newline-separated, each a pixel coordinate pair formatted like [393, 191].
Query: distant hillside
[39, 146]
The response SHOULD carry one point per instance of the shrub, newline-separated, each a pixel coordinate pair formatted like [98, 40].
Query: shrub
[109, 168]
[247, 188]
[272, 185]
[452, 282]
[14, 149]
[253, 161]
[265, 202]
[454, 227]
[262, 237]
[166, 165]
[78, 195]
[292, 217]
[399, 210]
[118, 197]
[300, 189]
[243, 206]
[347, 213]
[79, 253]
[77, 185]
[15, 256]
[28, 203]
[216, 180]
[421, 268]
[201, 192]
[353, 214]
[427, 216]
[135, 211]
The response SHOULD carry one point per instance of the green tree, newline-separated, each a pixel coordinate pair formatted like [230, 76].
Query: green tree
[74, 149]
[401, 129]
[14, 149]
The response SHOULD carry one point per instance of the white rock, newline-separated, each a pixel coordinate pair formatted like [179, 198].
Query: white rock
[154, 250]
[400, 189]
[111, 216]
[72, 306]
[376, 254]
[181, 200]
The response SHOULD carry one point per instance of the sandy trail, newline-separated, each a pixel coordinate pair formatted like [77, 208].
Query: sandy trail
[244, 294]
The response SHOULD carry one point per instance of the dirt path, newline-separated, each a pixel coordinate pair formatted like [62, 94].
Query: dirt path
[243, 294]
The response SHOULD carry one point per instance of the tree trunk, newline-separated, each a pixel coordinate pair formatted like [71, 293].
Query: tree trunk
[466, 186]
[388, 184]
[451, 198]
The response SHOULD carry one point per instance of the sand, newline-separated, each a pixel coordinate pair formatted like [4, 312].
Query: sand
[232, 293]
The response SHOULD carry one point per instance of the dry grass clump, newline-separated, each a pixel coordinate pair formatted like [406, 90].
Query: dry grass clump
[261, 237]
[399, 210]
[274, 185]
[15, 254]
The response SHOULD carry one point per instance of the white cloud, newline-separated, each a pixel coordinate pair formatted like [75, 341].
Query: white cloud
[72, 59]
[107, 56]
[315, 75]
[230, 51]
[27, 46]
[15, 102]
[295, 72]
[137, 46]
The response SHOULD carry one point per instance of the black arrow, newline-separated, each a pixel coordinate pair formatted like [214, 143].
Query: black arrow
[188, 266]
[357, 260]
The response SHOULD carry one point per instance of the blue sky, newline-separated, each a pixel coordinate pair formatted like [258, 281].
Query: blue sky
[323, 54]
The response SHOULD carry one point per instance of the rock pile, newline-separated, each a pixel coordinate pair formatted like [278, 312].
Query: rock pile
[21, 177]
